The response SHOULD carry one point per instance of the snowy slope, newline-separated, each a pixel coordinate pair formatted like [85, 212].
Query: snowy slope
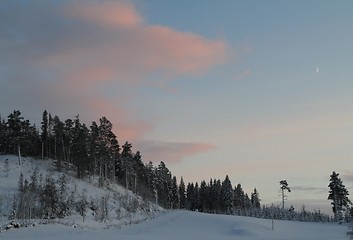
[118, 197]
[167, 225]
[190, 225]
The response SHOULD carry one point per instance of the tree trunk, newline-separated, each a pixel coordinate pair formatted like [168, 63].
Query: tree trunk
[19, 154]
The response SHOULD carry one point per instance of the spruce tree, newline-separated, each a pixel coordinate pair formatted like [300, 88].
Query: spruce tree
[227, 196]
[339, 196]
[182, 194]
[255, 199]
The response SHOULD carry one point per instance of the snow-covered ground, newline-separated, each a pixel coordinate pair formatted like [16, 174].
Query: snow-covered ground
[159, 224]
[189, 225]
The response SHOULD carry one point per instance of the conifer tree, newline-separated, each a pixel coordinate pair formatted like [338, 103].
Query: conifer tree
[15, 123]
[80, 147]
[284, 186]
[44, 135]
[174, 195]
[339, 196]
[255, 199]
[227, 195]
[182, 193]
[204, 200]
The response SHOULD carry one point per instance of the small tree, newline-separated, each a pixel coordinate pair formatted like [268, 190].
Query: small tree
[82, 204]
[7, 168]
[284, 186]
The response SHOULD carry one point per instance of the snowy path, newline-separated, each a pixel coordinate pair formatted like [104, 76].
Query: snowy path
[189, 225]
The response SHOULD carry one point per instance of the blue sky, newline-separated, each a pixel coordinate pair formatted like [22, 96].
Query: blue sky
[210, 87]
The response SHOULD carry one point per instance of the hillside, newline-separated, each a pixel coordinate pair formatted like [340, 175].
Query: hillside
[122, 207]
[190, 225]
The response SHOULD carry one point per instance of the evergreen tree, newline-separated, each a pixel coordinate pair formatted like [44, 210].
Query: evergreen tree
[44, 135]
[255, 199]
[227, 196]
[203, 194]
[138, 173]
[339, 196]
[108, 148]
[125, 165]
[4, 137]
[82, 204]
[164, 180]
[59, 147]
[174, 195]
[151, 180]
[239, 199]
[80, 148]
[182, 194]
[49, 199]
[63, 206]
[15, 124]
[68, 141]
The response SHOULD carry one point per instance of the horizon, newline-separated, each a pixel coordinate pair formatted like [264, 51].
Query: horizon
[259, 91]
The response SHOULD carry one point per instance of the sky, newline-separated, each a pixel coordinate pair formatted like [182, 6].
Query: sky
[258, 90]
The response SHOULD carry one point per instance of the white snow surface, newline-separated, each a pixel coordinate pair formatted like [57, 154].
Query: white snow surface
[189, 225]
[153, 224]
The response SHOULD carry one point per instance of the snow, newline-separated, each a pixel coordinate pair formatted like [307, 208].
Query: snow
[118, 197]
[189, 225]
[152, 224]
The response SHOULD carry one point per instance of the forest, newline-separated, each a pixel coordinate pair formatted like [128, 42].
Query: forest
[94, 151]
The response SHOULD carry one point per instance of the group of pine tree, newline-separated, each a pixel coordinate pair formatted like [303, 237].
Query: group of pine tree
[94, 151]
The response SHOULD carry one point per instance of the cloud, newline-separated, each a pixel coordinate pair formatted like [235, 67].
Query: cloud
[348, 176]
[310, 189]
[91, 57]
[108, 13]
[172, 152]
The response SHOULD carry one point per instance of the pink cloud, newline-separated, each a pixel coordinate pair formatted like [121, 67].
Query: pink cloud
[128, 44]
[185, 52]
[91, 57]
[113, 14]
[172, 152]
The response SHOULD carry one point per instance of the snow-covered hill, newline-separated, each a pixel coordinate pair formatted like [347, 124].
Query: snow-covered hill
[190, 225]
[123, 207]
[153, 223]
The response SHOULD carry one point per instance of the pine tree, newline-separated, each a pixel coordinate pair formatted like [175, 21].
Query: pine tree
[339, 196]
[59, 147]
[15, 123]
[4, 136]
[284, 186]
[125, 166]
[80, 148]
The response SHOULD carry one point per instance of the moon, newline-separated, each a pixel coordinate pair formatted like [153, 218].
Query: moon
[317, 69]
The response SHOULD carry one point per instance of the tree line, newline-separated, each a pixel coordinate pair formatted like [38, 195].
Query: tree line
[94, 151]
